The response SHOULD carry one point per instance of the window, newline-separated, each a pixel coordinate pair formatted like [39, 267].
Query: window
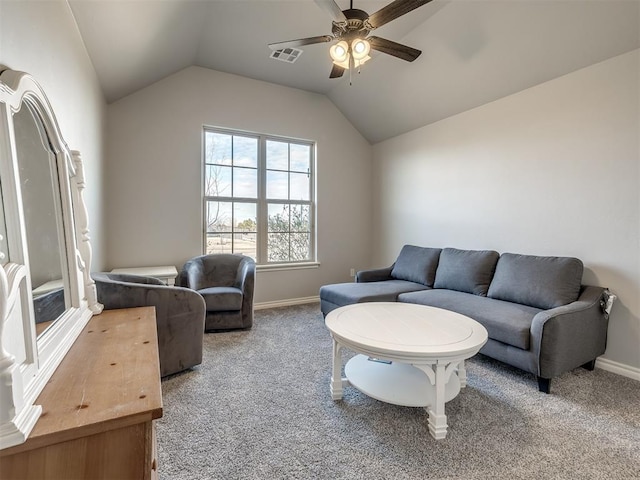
[258, 196]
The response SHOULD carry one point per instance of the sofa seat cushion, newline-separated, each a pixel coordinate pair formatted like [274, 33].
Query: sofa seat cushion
[342, 294]
[505, 322]
[467, 271]
[542, 282]
[222, 299]
[416, 264]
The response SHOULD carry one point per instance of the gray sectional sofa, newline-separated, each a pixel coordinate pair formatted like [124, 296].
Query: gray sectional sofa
[539, 316]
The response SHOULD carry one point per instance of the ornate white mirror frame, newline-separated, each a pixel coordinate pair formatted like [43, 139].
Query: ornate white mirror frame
[27, 361]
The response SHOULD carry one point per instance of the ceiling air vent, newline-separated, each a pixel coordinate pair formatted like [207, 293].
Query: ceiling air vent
[288, 55]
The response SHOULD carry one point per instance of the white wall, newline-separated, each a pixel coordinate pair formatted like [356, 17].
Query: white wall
[41, 38]
[154, 203]
[551, 170]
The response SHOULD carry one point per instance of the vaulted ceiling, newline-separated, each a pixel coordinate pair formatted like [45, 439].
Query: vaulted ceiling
[473, 51]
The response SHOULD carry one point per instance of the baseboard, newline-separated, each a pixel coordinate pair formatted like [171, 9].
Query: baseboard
[619, 368]
[286, 303]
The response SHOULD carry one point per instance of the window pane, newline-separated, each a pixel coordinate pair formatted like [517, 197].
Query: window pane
[219, 243]
[217, 181]
[245, 152]
[277, 185]
[218, 148]
[245, 219]
[300, 247]
[277, 155]
[300, 218]
[219, 216]
[245, 243]
[300, 157]
[278, 247]
[299, 186]
[245, 182]
[278, 218]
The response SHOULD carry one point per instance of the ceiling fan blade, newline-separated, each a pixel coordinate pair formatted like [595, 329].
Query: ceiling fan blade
[331, 7]
[393, 10]
[336, 71]
[300, 42]
[392, 48]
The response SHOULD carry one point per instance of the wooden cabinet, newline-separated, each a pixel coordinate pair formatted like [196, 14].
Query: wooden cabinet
[99, 406]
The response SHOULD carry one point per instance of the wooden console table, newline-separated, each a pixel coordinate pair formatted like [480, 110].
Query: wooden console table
[99, 407]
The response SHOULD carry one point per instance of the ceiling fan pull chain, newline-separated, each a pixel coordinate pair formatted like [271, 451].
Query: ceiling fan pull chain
[351, 65]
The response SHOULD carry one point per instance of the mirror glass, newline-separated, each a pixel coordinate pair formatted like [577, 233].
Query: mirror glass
[38, 171]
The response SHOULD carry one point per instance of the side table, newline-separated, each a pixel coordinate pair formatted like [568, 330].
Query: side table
[166, 273]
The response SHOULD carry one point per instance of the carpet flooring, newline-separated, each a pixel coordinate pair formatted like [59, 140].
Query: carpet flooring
[259, 408]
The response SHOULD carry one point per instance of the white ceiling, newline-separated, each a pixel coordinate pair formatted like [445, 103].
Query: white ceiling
[474, 51]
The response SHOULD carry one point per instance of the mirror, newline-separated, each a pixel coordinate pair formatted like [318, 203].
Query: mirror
[42, 208]
[45, 252]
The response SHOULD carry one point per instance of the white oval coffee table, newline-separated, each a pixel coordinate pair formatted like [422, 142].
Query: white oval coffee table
[411, 355]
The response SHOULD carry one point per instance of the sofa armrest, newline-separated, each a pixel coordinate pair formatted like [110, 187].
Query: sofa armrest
[566, 337]
[375, 275]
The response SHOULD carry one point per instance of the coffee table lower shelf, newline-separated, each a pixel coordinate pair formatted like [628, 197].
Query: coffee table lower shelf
[395, 382]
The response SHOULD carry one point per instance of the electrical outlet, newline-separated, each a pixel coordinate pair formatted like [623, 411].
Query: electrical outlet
[352, 272]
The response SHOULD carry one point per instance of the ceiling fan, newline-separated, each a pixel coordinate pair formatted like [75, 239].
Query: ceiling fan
[351, 28]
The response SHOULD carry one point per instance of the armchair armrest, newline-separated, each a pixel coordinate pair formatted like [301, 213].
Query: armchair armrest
[375, 275]
[566, 337]
[245, 281]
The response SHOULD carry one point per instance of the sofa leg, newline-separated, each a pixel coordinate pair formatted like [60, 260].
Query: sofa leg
[590, 365]
[544, 385]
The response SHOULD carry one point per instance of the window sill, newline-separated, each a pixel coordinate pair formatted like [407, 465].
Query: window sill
[287, 266]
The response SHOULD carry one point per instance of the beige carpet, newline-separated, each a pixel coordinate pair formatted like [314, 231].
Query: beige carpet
[259, 408]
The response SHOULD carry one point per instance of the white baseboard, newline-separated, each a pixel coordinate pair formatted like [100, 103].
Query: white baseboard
[619, 368]
[286, 303]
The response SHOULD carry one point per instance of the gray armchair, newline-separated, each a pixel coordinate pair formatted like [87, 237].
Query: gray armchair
[179, 315]
[226, 283]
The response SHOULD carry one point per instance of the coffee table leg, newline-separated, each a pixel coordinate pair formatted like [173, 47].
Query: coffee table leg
[336, 374]
[462, 374]
[437, 418]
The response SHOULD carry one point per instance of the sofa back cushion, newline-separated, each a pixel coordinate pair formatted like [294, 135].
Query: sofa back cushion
[467, 271]
[416, 264]
[541, 282]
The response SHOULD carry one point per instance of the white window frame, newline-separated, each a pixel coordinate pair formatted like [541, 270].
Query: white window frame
[261, 201]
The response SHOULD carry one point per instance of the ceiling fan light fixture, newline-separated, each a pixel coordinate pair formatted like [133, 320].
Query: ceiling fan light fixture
[339, 52]
[360, 49]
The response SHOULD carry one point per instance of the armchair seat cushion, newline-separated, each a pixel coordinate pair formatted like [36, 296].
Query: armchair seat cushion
[222, 299]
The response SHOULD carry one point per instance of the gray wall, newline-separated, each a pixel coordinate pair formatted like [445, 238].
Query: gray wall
[42, 39]
[551, 170]
[154, 203]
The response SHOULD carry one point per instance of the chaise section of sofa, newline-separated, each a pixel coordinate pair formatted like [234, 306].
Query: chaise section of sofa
[413, 271]
[539, 316]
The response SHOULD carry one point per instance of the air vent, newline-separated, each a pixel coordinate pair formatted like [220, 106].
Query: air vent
[288, 55]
